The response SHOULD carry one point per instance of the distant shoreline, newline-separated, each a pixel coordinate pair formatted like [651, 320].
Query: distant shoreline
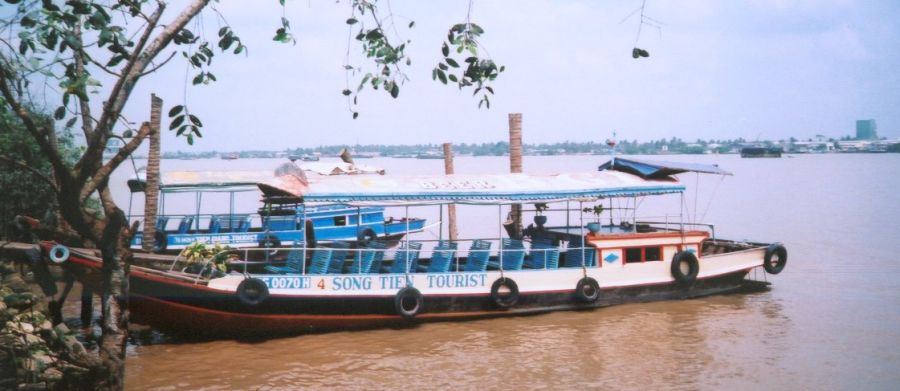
[673, 146]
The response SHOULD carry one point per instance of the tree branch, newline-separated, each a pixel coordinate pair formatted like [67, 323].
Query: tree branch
[31, 170]
[158, 66]
[118, 96]
[38, 134]
[104, 172]
[79, 70]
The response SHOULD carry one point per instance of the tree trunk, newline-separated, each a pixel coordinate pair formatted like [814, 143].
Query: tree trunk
[114, 247]
[151, 192]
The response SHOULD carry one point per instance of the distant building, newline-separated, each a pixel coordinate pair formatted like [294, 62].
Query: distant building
[865, 129]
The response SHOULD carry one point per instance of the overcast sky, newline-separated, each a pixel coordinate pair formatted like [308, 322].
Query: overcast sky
[717, 69]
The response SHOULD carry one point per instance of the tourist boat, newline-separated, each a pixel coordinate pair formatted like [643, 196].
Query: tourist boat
[568, 263]
[275, 224]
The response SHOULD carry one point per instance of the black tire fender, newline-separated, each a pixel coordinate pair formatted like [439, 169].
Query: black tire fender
[775, 259]
[587, 290]
[271, 242]
[406, 296]
[506, 300]
[693, 267]
[366, 235]
[310, 234]
[59, 254]
[252, 291]
[161, 241]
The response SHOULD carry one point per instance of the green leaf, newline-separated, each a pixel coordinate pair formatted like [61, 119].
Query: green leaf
[195, 120]
[445, 49]
[395, 90]
[412, 24]
[452, 62]
[127, 134]
[347, 92]
[355, 114]
[442, 76]
[176, 122]
[175, 110]
[374, 35]
[60, 113]
[352, 21]
[452, 78]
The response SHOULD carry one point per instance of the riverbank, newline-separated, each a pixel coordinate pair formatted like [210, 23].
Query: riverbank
[35, 354]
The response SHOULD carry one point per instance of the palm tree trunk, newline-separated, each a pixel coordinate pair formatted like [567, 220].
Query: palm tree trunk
[151, 192]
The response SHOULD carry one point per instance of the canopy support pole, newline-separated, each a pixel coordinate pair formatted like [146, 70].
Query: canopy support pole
[406, 254]
[500, 238]
[583, 239]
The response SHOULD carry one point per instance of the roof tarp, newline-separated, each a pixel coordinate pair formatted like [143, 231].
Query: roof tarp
[239, 181]
[359, 190]
[649, 169]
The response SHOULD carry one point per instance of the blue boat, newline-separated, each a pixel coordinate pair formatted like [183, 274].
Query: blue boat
[281, 222]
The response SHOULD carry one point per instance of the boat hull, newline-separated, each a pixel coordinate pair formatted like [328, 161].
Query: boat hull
[179, 304]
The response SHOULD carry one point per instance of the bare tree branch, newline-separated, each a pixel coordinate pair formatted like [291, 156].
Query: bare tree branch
[158, 66]
[119, 95]
[102, 175]
[39, 134]
[79, 69]
[31, 170]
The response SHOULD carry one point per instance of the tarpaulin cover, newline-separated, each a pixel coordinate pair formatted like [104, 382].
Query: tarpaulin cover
[649, 169]
[361, 190]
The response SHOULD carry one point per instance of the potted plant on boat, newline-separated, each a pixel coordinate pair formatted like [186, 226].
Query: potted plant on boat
[596, 210]
[540, 219]
[207, 260]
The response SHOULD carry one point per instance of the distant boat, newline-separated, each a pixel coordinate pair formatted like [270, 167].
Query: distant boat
[761, 152]
[230, 156]
[304, 158]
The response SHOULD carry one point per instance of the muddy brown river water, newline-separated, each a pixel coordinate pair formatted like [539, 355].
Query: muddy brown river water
[830, 320]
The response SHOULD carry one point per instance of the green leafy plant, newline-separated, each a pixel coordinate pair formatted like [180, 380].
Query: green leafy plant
[216, 255]
[596, 210]
[460, 48]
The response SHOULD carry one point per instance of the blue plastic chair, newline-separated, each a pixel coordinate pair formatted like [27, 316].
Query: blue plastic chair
[362, 261]
[479, 254]
[441, 258]
[185, 225]
[574, 254]
[338, 255]
[244, 225]
[215, 225]
[161, 223]
[379, 249]
[294, 262]
[320, 260]
[513, 254]
[544, 255]
[406, 255]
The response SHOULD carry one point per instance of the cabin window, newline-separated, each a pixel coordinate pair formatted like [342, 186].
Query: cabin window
[340, 221]
[633, 255]
[652, 254]
[643, 254]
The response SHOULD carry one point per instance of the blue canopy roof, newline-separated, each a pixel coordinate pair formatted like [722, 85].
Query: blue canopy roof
[649, 169]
